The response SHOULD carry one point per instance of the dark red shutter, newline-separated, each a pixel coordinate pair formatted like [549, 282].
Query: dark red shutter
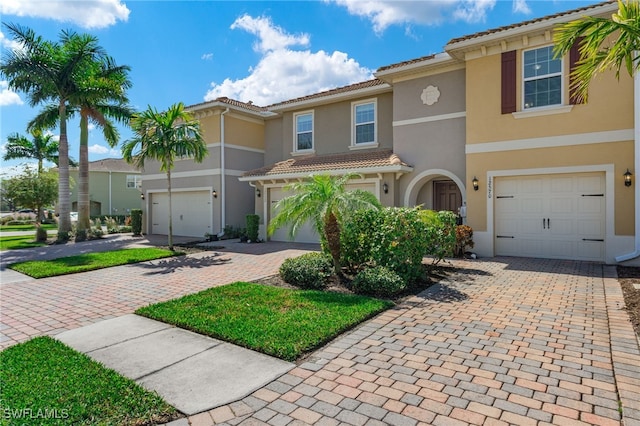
[508, 82]
[574, 57]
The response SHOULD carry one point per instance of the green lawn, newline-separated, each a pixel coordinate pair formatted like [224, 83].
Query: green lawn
[89, 261]
[30, 227]
[46, 382]
[280, 322]
[19, 242]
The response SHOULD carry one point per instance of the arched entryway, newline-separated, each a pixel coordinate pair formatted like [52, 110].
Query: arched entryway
[436, 189]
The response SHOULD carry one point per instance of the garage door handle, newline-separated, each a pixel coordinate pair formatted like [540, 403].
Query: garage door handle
[548, 223]
[544, 226]
[505, 236]
[591, 239]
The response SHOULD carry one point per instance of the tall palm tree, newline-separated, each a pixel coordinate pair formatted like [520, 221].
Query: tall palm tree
[325, 201]
[604, 43]
[42, 147]
[51, 72]
[165, 136]
[100, 99]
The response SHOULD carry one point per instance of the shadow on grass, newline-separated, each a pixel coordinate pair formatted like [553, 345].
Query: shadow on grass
[173, 264]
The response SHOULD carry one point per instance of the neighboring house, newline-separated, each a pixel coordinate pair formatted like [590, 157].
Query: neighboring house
[550, 172]
[206, 197]
[114, 187]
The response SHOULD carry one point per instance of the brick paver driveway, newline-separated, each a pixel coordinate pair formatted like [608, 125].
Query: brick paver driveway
[51, 305]
[504, 341]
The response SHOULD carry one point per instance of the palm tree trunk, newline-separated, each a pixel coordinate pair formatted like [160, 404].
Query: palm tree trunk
[83, 175]
[64, 224]
[170, 236]
[332, 233]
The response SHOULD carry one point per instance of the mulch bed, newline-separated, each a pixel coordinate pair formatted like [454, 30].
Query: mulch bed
[627, 277]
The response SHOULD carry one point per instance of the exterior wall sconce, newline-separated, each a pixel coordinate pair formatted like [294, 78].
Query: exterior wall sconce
[214, 193]
[142, 196]
[475, 183]
[385, 188]
[258, 193]
[627, 178]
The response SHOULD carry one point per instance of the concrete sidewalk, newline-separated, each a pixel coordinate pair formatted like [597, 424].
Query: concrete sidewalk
[194, 373]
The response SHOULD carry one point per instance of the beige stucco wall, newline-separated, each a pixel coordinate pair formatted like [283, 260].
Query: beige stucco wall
[408, 104]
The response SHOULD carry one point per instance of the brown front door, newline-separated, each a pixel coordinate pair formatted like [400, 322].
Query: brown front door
[446, 196]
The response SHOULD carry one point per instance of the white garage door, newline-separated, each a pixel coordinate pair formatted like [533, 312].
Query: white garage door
[306, 234]
[551, 216]
[192, 213]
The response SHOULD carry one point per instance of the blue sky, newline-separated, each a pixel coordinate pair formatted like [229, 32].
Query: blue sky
[265, 52]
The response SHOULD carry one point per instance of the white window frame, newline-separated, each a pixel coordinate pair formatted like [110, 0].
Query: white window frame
[296, 132]
[136, 180]
[557, 74]
[371, 144]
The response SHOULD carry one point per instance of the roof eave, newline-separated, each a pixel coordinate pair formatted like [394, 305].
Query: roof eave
[380, 88]
[440, 60]
[364, 170]
[493, 38]
[224, 105]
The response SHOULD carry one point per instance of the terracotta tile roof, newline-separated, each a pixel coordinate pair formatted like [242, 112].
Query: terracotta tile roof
[338, 90]
[111, 165]
[319, 163]
[525, 23]
[244, 105]
[409, 62]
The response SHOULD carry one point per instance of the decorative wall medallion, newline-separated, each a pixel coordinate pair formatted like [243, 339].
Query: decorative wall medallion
[430, 95]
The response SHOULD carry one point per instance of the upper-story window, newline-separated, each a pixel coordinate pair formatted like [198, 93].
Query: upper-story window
[542, 78]
[303, 137]
[134, 181]
[364, 122]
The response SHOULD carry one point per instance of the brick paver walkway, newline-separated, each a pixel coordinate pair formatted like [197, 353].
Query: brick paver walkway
[49, 306]
[505, 341]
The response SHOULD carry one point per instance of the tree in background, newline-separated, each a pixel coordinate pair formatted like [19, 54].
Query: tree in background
[163, 137]
[604, 43]
[31, 189]
[324, 201]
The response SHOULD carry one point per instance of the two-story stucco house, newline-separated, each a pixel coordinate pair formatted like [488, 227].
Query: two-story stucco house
[550, 171]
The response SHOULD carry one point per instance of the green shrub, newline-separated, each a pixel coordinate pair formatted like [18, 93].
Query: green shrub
[41, 234]
[464, 239]
[253, 225]
[81, 235]
[231, 232]
[63, 237]
[136, 221]
[378, 281]
[392, 237]
[124, 229]
[440, 233]
[311, 270]
[113, 227]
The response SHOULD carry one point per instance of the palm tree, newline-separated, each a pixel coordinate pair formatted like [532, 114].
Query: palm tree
[51, 71]
[604, 43]
[165, 136]
[42, 147]
[323, 200]
[100, 98]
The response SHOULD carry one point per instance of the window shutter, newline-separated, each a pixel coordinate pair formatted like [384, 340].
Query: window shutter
[574, 57]
[508, 82]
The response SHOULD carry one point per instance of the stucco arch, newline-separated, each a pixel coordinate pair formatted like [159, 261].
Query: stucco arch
[411, 194]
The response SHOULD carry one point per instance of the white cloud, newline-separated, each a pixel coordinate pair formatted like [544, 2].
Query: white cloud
[207, 56]
[7, 97]
[103, 150]
[521, 6]
[384, 13]
[283, 73]
[86, 14]
[270, 36]
[55, 137]
[7, 43]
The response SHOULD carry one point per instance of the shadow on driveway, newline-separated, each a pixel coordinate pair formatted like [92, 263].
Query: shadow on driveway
[173, 264]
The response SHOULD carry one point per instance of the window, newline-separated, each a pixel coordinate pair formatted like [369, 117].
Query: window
[303, 131]
[364, 123]
[134, 181]
[542, 77]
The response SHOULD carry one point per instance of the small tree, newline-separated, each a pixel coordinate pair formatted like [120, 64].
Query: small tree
[32, 190]
[136, 221]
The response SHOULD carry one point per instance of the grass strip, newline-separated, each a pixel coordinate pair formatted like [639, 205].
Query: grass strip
[89, 261]
[280, 322]
[19, 242]
[27, 227]
[46, 382]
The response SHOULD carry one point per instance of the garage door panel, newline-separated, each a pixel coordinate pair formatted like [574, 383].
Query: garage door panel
[191, 213]
[557, 216]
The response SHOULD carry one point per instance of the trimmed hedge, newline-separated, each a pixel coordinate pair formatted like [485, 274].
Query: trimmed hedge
[378, 281]
[311, 270]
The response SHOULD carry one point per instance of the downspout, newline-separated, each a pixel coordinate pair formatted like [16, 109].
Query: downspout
[636, 155]
[223, 190]
[110, 211]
